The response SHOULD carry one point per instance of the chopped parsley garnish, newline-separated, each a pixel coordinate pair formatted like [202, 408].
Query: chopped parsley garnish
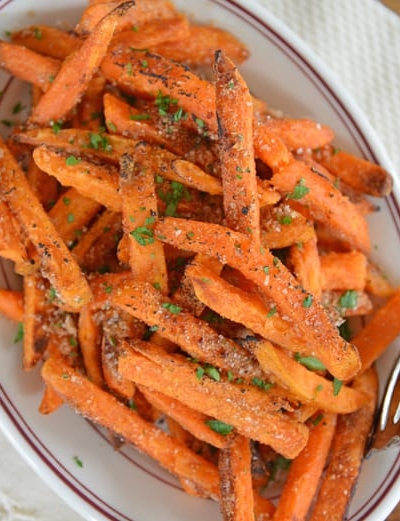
[337, 385]
[220, 427]
[72, 160]
[349, 299]
[173, 308]
[98, 141]
[311, 362]
[299, 191]
[20, 333]
[262, 384]
[163, 102]
[307, 302]
[143, 235]
[78, 461]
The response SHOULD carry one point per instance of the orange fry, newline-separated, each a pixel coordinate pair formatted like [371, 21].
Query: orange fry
[274, 281]
[236, 152]
[101, 407]
[76, 71]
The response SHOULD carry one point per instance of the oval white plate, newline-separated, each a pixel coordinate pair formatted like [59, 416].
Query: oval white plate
[125, 485]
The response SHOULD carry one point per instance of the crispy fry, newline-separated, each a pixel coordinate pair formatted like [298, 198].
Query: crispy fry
[234, 463]
[86, 177]
[57, 262]
[76, 71]
[194, 335]
[241, 205]
[235, 249]
[12, 304]
[139, 213]
[199, 46]
[347, 451]
[379, 332]
[47, 40]
[308, 385]
[364, 176]
[344, 270]
[306, 470]
[190, 419]
[101, 407]
[28, 65]
[224, 401]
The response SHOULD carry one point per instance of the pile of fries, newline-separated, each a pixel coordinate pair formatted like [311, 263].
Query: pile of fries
[188, 255]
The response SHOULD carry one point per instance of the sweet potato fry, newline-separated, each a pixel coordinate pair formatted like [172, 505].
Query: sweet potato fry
[365, 176]
[305, 262]
[139, 213]
[199, 46]
[234, 464]
[72, 213]
[233, 248]
[28, 65]
[299, 133]
[347, 451]
[101, 407]
[143, 12]
[12, 246]
[190, 419]
[86, 177]
[89, 342]
[51, 401]
[306, 384]
[12, 304]
[380, 331]
[76, 71]
[227, 402]
[344, 270]
[154, 32]
[57, 262]
[47, 40]
[195, 95]
[325, 203]
[242, 307]
[306, 470]
[192, 334]
[236, 151]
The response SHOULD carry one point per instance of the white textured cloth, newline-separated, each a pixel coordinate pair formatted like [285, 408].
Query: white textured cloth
[360, 42]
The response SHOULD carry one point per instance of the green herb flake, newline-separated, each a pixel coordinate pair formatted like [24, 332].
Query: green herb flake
[70, 218]
[143, 235]
[72, 160]
[17, 108]
[173, 308]
[98, 141]
[78, 461]
[337, 385]
[311, 362]
[199, 373]
[272, 312]
[349, 299]
[140, 117]
[300, 190]
[163, 102]
[262, 384]
[219, 427]
[307, 302]
[37, 33]
[19, 336]
[213, 373]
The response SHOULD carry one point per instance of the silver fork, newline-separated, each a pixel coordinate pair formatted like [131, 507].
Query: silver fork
[386, 431]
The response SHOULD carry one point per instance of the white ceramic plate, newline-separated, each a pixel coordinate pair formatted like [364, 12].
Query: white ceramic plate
[125, 485]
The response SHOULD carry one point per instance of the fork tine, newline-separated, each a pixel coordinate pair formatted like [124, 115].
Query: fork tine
[388, 395]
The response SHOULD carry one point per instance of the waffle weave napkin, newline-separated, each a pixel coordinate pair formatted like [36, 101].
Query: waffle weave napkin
[360, 42]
